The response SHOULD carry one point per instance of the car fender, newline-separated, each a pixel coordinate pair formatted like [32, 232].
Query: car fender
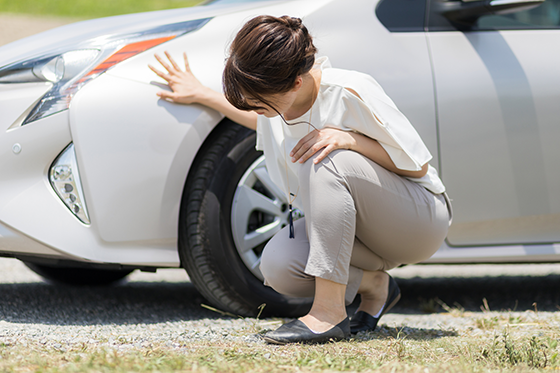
[133, 163]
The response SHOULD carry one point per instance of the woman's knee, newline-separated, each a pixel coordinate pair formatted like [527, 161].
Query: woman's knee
[286, 276]
[274, 265]
[283, 262]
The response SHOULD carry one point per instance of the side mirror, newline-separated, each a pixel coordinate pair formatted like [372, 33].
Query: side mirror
[464, 13]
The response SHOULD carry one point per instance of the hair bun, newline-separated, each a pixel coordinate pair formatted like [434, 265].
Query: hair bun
[293, 22]
[266, 57]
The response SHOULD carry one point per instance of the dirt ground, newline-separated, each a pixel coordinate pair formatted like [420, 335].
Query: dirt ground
[16, 26]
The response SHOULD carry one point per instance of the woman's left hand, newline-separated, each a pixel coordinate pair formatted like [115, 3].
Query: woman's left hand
[328, 139]
[324, 140]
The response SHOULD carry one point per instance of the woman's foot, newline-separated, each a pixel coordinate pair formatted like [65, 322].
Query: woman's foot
[376, 300]
[329, 307]
[327, 319]
[321, 319]
[315, 327]
[297, 332]
[373, 290]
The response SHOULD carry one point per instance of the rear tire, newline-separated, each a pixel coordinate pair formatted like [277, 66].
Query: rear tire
[207, 246]
[79, 276]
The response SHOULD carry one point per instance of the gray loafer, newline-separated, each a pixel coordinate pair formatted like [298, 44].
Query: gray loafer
[363, 321]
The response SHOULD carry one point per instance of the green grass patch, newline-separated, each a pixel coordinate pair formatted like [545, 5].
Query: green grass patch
[487, 342]
[89, 8]
[395, 352]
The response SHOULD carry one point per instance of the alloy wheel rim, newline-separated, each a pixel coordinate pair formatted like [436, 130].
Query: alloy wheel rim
[259, 210]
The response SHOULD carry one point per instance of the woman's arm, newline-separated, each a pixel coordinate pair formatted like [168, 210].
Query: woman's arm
[187, 89]
[328, 139]
[371, 149]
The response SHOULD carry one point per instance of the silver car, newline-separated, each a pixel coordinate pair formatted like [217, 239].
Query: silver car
[99, 177]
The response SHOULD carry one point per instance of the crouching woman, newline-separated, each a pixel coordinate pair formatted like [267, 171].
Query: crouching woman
[343, 154]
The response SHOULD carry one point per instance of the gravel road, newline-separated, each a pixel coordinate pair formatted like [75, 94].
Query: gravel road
[165, 309]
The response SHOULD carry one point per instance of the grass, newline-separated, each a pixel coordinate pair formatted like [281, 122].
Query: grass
[88, 8]
[401, 349]
[390, 354]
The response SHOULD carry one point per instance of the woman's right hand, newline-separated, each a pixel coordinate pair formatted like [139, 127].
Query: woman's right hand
[185, 87]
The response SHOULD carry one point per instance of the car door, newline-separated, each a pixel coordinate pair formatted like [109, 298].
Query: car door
[497, 87]
[386, 40]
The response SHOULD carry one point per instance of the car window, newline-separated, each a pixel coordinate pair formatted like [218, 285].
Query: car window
[545, 16]
[402, 15]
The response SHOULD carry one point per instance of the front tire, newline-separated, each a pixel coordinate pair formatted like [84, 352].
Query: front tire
[230, 209]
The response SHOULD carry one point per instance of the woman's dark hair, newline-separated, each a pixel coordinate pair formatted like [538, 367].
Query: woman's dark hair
[266, 57]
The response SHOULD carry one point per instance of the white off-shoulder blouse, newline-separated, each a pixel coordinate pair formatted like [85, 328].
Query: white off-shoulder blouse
[373, 114]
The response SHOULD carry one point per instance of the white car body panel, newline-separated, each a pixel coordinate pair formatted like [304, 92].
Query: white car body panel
[497, 254]
[31, 207]
[135, 161]
[14, 103]
[491, 127]
[12, 241]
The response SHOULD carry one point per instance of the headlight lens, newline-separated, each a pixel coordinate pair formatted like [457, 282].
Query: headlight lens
[60, 70]
[70, 70]
[52, 71]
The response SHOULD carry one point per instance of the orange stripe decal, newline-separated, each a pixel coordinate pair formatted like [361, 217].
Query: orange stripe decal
[125, 53]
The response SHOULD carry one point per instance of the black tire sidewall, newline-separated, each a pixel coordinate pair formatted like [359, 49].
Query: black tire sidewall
[240, 291]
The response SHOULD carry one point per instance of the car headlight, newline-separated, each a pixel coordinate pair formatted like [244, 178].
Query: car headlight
[70, 70]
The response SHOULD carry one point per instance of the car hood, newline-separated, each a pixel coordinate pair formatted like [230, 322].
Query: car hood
[76, 34]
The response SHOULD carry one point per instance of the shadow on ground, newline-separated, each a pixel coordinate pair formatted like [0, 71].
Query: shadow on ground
[157, 302]
[410, 333]
[503, 293]
[127, 303]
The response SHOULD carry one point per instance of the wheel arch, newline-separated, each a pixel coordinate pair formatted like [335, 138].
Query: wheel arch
[212, 136]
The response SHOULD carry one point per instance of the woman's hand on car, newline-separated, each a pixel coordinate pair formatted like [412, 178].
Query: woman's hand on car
[185, 87]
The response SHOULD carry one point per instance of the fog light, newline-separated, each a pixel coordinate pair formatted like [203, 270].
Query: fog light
[65, 180]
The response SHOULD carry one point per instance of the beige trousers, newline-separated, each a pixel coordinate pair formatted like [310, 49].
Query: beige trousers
[358, 216]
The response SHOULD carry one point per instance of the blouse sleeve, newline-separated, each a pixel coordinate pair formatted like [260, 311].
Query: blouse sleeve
[375, 115]
[259, 145]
